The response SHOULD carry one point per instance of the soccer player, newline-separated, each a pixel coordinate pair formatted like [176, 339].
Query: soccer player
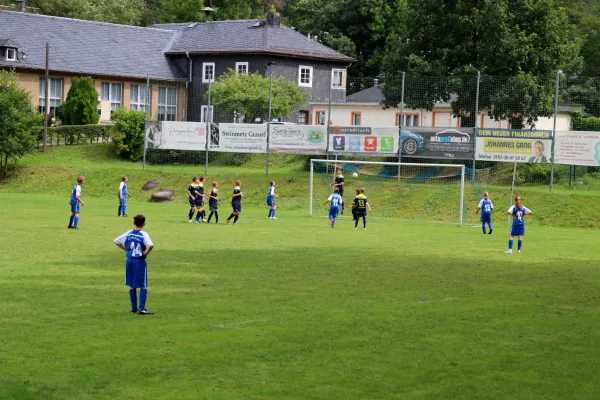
[123, 193]
[201, 215]
[192, 194]
[486, 207]
[138, 245]
[335, 201]
[213, 203]
[518, 212]
[361, 204]
[338, 182]
[271, 196]
[76, 204]
[236, 202]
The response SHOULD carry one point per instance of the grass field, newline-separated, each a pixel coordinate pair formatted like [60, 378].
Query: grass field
[285, 309]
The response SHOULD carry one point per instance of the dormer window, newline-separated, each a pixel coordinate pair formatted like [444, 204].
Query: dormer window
[11, 54]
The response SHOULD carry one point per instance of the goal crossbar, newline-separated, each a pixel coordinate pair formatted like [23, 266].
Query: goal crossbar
[397, 164]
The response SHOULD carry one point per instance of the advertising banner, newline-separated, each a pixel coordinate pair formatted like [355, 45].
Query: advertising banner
[239, 138]
[175, 135]
[513, 145]
[577, 148]
[298, 139]
[449, 143]
[364, 140]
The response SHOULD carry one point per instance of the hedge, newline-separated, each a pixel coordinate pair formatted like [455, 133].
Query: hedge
[581, 123]
[77, 134]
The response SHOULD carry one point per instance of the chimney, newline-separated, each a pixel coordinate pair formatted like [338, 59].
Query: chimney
[274, 19]
[22, 5]
[375, 82]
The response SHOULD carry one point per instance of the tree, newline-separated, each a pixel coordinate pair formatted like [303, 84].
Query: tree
[248, 94]
[127, 12]
[81, 107]
[128, 133]
[20, 124]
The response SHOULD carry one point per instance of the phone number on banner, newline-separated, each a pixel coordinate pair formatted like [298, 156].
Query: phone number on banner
[500, 157]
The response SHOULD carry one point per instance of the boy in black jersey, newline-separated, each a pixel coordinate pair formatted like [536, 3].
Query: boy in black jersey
[213, 202]
[338, 182]
[361, 204]
[192, 194]
[200, 216]
[236, 202]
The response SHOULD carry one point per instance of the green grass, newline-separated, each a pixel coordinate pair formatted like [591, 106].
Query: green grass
[291, 309]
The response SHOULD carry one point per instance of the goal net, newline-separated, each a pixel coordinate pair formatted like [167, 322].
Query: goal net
[405, 191]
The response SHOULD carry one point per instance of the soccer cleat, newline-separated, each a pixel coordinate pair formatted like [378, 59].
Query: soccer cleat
[490, 232]
[205, 220]
[76, 228]
[144, 312]
[508, 252]
[190, 221]
[518, 251]
[196, 222]
[134, 311]
[125, 215]
[273, 217]
[228, 222]
[69, 227]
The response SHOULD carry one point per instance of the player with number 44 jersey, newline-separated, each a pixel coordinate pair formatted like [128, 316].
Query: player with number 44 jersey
[518, 212]
[137, 244]
[486, 207]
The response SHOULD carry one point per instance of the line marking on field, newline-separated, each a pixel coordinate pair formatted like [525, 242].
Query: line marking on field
[435, 301]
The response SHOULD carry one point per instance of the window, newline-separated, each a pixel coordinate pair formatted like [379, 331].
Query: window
[305, 76]
[303, 117]
[11, 54]
[113, 93]
[55, 98]
[208, 72]
[137, 98]
[205, 115]
[337, 79]
[320, 117]
[407, 120]
[167, 104]
[355, 118]
[241, 68]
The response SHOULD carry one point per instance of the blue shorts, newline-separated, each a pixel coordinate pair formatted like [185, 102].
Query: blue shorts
[237, 207]
[136, 273]
[213, 206]
[486, 218]
[123, 201]
[333, 213]
[199, 202]
[75, 207]
[270, 201]
[517, 230]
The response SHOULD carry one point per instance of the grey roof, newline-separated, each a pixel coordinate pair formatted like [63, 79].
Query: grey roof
[7, 43]
[370, 95]
[87, 47]
[250, 36]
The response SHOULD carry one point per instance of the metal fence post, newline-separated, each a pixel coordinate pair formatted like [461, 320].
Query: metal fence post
[476, 126]
[554, 130]
[209, 121]
[401, 124]
[269, 123]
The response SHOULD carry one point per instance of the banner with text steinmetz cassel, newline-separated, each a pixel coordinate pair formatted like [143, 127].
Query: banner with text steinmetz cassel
[239, 138]
[175, 135]
[298, 139]
[526, 146]
[364, 140]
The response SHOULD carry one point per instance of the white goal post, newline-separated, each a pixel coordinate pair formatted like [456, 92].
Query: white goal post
[431, 192]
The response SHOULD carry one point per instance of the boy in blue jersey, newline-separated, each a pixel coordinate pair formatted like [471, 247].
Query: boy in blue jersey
[518, 212]
[236, 202]
[138, 245]
[76, 204]
[486, 207]
[335, 201]
[213, 203]
[123, 193]
[271, 196]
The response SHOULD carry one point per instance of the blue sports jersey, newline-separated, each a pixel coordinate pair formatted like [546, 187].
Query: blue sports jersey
[271, 192]
[136, 242]
[486, 206]
[335, 201]
[124, 190]
[74, 193]
[518, 213]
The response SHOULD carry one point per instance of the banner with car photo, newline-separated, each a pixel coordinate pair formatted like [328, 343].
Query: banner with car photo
[440, 143]
[238, 138]
[577, 148]
[364, 140]
[175, 135]
[519, 145]
[297, 139]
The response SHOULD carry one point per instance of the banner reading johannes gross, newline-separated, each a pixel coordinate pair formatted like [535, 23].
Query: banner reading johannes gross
[298, 139]
[513, 145]
[364, 140]
[240, 138]
[175, 135]
[577, 148]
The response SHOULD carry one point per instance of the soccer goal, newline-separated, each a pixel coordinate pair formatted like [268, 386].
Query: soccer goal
[405, 191]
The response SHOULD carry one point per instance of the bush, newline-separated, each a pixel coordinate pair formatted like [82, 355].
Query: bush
[127, 133]
[78, 134]
[581, 123]
[81, 106]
